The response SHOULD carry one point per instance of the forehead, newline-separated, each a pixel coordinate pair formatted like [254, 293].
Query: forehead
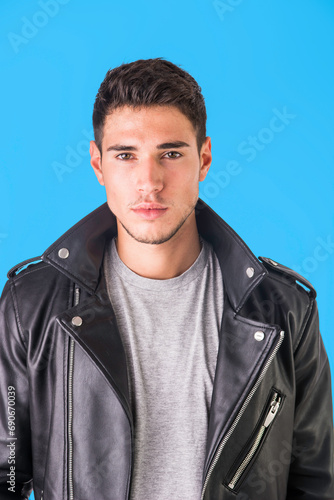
[147, 119]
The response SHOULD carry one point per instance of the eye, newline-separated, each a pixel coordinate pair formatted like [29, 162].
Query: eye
[122, 155]
[172, 153]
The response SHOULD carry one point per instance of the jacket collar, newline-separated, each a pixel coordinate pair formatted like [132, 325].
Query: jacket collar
[78, 253]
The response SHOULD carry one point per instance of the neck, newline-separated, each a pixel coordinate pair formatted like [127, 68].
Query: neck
[165, 261]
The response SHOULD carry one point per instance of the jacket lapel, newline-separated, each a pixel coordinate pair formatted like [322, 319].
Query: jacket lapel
[99, 337]
[241, 362]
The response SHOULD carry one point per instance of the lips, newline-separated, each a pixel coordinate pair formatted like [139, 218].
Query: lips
[150, 211]
[149, 206]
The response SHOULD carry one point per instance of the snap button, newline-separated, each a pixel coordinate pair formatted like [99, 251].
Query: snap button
[250, 272]
[77, 321]
[63, 253]
[273, 262]
[259, 336]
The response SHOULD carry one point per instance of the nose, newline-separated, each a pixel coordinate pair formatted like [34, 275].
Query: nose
[149, 176]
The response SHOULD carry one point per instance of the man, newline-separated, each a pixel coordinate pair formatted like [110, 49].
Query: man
[150, 355]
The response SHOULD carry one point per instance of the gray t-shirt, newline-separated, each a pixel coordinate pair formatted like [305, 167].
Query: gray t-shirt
[170, 331]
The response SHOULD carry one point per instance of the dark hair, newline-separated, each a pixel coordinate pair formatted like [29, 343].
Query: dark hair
[148, 82]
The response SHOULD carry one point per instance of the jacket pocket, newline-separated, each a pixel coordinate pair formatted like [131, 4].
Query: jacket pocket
[247, 456]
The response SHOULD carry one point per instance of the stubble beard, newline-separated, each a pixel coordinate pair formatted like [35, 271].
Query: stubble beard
[158, 241]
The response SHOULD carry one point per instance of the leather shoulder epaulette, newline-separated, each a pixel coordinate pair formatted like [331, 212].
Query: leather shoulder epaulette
[290, 273]
[13, 271]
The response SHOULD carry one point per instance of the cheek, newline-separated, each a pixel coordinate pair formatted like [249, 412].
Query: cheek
[184, 181]
[114, 182]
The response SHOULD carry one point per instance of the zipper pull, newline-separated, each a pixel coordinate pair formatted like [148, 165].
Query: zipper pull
[274, 406]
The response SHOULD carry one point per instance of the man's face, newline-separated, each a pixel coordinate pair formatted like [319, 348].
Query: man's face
[144, 163]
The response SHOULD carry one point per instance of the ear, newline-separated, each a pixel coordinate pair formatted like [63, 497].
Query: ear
[96, 161]
[205, 158]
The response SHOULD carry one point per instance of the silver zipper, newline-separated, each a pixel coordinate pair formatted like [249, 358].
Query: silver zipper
[274, 406]
[70, 406]
[241, 412]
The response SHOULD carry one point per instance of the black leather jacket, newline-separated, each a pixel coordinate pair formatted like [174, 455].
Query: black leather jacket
[63, 371]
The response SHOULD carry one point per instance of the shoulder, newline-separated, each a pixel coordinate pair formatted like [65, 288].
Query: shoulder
[21, 265]
[288, 276]
[283, 298]
[32, 273]
[34, 286]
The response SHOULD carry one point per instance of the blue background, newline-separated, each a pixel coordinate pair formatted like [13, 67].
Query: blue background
[253, 61]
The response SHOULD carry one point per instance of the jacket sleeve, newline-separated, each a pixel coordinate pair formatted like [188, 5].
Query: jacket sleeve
[311, 471]
[15, 438]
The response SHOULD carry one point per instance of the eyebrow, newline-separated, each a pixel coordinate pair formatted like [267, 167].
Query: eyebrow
[165, 145]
